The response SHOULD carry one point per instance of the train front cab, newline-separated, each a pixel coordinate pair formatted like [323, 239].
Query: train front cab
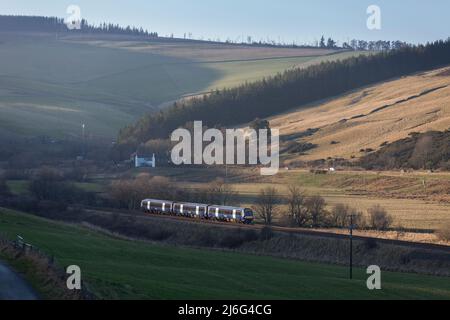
[230, 214]
[248, 216]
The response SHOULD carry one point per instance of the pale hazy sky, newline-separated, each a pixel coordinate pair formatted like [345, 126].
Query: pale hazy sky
[288, 20]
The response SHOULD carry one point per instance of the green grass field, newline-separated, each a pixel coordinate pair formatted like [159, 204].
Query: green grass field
[50, 86]
[18, 187]
[122, 269]
[238, 72]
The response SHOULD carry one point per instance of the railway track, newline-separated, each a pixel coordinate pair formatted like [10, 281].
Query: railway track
[306, 232]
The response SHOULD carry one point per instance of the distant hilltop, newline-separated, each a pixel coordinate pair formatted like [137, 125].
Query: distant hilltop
[54, 24]
[21, 23]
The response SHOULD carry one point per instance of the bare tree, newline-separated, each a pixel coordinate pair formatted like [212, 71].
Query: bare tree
[298, 212]
[45, 184]
[340, 216]
[379, 219]
[267, 204]
[131, 192]
[221, 192]
[157, 187]
[50, 184]
[124, 194]
[444, 232]
[316, 210]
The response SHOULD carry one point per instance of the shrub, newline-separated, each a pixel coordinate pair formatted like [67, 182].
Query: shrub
[236, 238]
[128, 193]
[250, 235]
[22, 203]
[266, 233]
[16, 174]
[379, 219]
[4, 190]
[158, 234]
[287, 220]
[370, 244]
[231, 240]
[49, 184]
[444, 232]
[339, 215]
[293, 147]
[203, 238]
[51, 209]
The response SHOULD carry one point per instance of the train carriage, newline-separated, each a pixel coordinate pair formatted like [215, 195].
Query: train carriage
[224, 213]
[197, 210]
[157, 206]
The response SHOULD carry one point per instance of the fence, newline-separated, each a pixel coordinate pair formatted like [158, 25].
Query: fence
[20, 248]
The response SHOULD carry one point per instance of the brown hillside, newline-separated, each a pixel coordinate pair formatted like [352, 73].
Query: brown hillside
[369, 117]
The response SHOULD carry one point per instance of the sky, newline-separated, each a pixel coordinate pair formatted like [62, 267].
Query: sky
[299, 21]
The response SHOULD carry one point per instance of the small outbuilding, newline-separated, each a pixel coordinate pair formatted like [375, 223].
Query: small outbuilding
[142, 162]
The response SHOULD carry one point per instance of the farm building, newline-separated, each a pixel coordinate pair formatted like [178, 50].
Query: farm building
[140, 162]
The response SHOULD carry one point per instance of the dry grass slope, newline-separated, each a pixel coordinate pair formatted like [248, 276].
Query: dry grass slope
[368, 117]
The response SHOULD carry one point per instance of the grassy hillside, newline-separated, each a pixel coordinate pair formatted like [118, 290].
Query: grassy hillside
[130, 269]
[369, 117]
[288, 90]
[51, 84]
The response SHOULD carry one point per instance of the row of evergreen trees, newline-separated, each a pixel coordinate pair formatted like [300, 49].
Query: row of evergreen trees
[379, 45]
[288, 90]
[363, 45]
[53, 24]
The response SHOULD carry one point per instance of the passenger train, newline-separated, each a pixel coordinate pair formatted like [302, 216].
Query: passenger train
[198, 210]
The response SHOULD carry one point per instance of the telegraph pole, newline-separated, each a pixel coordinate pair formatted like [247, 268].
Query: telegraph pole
[351, 247]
